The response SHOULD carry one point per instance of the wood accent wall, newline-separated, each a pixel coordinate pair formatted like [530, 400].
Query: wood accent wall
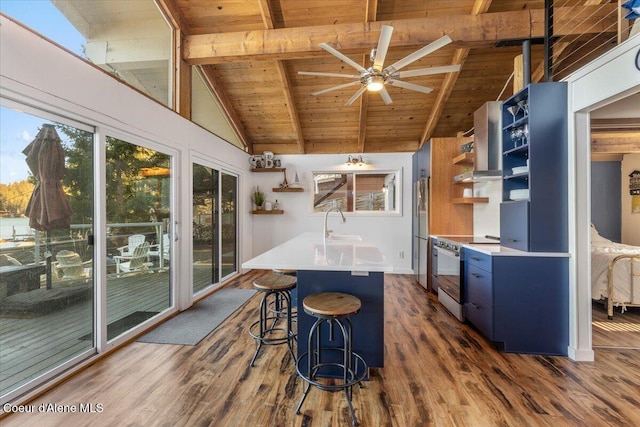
[446, 218]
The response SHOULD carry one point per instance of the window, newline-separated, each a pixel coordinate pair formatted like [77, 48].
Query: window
[215, 226]
[138, 234]
[363, 192]
[46, 277]
[130, 40]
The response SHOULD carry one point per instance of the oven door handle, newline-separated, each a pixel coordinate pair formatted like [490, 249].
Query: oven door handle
[449, 253]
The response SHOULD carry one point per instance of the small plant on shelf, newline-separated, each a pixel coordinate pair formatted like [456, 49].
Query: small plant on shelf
[258, 198]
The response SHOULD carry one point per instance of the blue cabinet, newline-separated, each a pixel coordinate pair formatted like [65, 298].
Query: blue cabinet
[514, 225]
[520, 303]
[535, 169]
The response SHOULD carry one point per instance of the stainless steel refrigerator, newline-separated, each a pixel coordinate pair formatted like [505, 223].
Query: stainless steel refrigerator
[421, 230]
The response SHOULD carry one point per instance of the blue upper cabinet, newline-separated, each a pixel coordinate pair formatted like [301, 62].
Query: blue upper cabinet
[534, 209]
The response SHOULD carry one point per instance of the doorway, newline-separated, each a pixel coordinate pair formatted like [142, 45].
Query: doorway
[215, 226]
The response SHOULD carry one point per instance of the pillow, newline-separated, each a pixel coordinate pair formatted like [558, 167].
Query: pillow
[596, 237]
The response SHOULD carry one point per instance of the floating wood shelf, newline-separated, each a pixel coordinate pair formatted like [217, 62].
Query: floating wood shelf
[463, 200]
[464, 158]
[268, 169]
[288, 190]
[272, 212]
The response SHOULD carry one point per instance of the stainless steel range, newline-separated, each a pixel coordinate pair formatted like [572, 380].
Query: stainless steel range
[446, 276]
[447, 267]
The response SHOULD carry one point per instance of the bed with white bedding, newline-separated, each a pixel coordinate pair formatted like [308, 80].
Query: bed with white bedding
[615, 273]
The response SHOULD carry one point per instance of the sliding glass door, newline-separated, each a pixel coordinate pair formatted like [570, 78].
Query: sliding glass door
[46, 246]
[138, 190]
[214, 226]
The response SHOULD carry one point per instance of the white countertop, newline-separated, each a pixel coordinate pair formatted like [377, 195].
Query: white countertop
[310, 251]
[498, 250]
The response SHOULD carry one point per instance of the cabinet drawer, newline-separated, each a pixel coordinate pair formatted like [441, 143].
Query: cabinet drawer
[478, 259]
[479, 284]
[480, 315]
[514, 225]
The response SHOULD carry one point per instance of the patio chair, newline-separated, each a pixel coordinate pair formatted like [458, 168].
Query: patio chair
[136, 262]
[133, 241]
[71, 266]
[166, 247]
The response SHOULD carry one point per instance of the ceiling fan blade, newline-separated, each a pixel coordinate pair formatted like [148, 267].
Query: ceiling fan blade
[320, 92]
[356, 95]
[386, 98]
[313, 73]
[343, 57]
[383, 47]
[427, 71]
[442, 41]
[410, 86]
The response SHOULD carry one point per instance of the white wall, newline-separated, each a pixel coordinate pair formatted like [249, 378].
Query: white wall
[392, 234]
[630, 221]
[486, 216]
[37, 72]
[609, 78]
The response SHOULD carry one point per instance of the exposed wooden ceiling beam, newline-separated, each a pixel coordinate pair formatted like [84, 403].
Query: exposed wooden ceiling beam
[267, 18]
[371, 13]
[615, 142]
[466, 31]
[364, 108]
[460, 55]
[291, 109]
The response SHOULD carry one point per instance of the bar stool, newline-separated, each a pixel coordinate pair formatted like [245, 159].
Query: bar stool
[275, 305]
[348, 368]
[279, 287]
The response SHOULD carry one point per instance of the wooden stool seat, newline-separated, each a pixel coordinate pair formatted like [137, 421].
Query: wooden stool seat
[332, 304]
[272, 282]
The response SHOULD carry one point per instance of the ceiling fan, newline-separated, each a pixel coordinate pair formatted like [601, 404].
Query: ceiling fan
[376, 78]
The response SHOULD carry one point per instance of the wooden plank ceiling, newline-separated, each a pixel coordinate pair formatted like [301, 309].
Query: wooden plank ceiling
[253, 50]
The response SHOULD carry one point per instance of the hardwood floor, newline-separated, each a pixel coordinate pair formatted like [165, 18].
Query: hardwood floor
[437, 372]
[623, 331]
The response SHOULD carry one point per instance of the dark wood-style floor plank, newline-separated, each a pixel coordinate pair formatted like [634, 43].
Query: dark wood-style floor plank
[437, 372]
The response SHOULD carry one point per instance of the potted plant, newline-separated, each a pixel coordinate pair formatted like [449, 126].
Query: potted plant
[258, 198]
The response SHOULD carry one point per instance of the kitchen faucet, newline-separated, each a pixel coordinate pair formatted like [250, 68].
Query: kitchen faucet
[326, 215]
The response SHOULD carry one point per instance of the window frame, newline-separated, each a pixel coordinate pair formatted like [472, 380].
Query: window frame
[354, 175]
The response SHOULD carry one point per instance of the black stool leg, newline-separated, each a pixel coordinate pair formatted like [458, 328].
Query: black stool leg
[348, 351]
[263, 316]
[290, 335]
[312, 355]
[262, 337]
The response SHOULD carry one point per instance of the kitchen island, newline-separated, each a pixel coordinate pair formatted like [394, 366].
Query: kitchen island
[342, 263]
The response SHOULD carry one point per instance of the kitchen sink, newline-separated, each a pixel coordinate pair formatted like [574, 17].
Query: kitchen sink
[351, 237]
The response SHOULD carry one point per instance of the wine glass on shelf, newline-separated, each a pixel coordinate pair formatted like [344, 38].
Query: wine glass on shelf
[525, 134]
[513, 136]
[516, 135]
[524, 106]
[513, 109]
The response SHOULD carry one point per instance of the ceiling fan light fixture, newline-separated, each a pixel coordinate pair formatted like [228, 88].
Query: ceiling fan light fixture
[375, 83]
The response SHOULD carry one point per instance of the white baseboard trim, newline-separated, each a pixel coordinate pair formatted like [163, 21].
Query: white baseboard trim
[581, 355]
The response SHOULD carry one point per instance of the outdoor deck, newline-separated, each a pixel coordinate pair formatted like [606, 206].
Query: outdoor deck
[31, 346]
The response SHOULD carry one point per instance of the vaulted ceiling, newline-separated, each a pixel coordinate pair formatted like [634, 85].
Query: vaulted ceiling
[254, 49]
[250, 52]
